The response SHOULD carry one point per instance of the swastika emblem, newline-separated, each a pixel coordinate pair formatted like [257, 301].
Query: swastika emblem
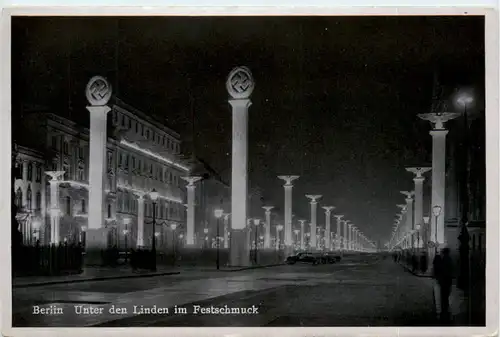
[240, 83]
[98, 91]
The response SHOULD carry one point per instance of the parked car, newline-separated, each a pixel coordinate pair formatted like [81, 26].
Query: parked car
[331, 257]
[304, 257]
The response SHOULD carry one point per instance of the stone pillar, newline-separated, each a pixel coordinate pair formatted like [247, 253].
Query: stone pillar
[409, 225]
[43, 191]
[328, 213]
[349, 237]
[267, 236]
[98, 93]
[344, 236]
[438, 134]
[338, 233]
[226, 230]
[240, 86]
[288, 238]
[279, 228]
[302, 233]
[314, 206]
[190, 209]
[24, 200]
[419, 194]
[140, 220]
[55, 209]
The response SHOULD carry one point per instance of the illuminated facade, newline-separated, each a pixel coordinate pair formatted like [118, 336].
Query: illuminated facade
[141, 155]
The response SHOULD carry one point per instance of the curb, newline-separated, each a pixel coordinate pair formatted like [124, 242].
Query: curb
[414, 273]
[104, 278]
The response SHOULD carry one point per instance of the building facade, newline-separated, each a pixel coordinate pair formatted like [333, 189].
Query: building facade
[142, 155]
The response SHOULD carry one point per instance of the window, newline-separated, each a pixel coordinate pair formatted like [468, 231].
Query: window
[38, 201]
[109, 211]
[126, 162]
[141, 127]
[81, 152]
[129, 123]
[84, 207]
[81, 173]
[28, 198]
[68, 205]
[163, 141]
[38, 173]
[30, 171]
[147, 134]
[54, 165]
[54, 142]
[123, 120]
[19, 197]
[133, 162]
[65, 147]
[110, 160]
[67, 172]
[136, 127]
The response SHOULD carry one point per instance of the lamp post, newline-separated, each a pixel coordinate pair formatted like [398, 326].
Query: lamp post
[436, 210]
[218, 214]
[173, 226]
[154, 196]
[279, 228]
[296, 231]
[125, 232]
[417, 228]
[256, 222]
[205, 230]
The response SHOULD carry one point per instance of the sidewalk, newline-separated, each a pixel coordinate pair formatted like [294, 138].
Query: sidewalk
[110, 273]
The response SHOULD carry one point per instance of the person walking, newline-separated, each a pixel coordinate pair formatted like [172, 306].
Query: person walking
[443, 274]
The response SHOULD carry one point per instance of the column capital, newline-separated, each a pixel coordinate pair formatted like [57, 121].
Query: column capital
[403, 208]
[438, 119]
[408, 195]
[438, 133]
[328, 209]
[140, 195]
[191, 180]
[99, 111]
[240, 103]
[313, 197]
[268, 208]
[302, 222]
[55, 175]
[339, 216]
[288, 180]
[418, 171]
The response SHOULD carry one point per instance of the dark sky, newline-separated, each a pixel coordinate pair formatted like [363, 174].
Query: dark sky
[335, 100]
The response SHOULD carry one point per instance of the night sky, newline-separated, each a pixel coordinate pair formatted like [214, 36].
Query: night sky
[335, 100]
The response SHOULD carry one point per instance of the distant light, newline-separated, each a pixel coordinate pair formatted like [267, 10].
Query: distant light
[218, 213]
[152, 154]
[173, 226]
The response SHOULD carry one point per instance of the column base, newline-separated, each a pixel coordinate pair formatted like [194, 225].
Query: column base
[288, 251]
[239, 255]
[96, 242]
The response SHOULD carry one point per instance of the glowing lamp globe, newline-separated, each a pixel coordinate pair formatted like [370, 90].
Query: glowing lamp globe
[436, 210]
[154, 195]
[205, 230]
[219, 213]
[426, 219]
[173, 226]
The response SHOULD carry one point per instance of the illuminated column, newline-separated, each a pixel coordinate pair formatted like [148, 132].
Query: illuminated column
[140, 219]
[55, 210]
[409, 226]
[345, 235]
[226, 230]
[328, 213]
[239, 86]
[314, 206]
[24, 200]
[438, 134]
[98, 92]
[338, 233]
[419, 194]
[302, 233]
[267, 236]
[279, 228]
[349, 237]
[190, 209]
[288, 238]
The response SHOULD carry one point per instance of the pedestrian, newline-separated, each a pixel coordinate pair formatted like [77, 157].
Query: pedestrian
[443, 274]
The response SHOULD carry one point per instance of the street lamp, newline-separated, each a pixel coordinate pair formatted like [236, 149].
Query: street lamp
[436, 210]
[279, 228]
[154, 196]
[218, 214]
[205, 230]
[256, 222]
[173, 227]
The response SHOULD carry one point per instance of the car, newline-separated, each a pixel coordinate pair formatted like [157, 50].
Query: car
[331, 257]
[303, 257]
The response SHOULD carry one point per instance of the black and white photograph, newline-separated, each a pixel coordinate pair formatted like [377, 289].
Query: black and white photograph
[250, 171]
